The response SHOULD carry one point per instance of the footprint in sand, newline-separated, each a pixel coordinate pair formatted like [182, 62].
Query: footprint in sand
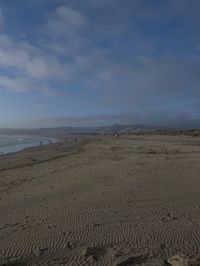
[169, 217]
[39, 252]
[94, 252]
[133, 261]
[15, 261]
[182, 260]
[97, 225]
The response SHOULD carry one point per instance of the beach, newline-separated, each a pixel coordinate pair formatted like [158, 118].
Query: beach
[132, 200]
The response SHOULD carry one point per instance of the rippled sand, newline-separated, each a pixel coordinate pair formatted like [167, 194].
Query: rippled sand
[106, 201]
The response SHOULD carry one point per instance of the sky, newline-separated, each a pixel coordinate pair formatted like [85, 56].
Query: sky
[96, 62]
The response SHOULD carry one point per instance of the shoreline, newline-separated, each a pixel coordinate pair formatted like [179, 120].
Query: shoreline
[29, 142]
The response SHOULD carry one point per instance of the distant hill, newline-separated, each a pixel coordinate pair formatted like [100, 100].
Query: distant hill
[66, 131]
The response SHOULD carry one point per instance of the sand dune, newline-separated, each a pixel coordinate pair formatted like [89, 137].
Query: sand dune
[106, 201]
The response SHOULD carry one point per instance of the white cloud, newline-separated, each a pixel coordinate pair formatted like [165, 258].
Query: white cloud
[28, 64]
[49, 58]
[19, 84]
[25, 59]
[16, 84]
[65, 22]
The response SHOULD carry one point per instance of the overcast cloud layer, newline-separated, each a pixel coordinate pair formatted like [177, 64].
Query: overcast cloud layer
[135, 61]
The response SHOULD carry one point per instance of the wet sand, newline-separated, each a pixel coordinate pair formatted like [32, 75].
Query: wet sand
[107, 201]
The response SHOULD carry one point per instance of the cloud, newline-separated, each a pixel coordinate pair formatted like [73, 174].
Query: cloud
[65, 22]
[19, 85]
[26, 59]
[21, 60]
[42, 61]
[16, 85]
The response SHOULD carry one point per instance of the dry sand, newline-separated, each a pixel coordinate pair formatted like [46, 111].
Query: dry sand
[108, 201]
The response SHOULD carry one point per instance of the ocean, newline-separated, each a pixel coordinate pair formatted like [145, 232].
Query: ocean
[9, 144]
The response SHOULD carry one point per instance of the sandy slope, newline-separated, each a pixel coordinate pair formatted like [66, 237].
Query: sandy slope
[126, 201]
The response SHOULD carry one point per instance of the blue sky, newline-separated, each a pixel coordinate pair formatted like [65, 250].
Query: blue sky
[75, 62]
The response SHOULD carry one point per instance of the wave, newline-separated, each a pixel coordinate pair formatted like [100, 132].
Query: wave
[9, 144]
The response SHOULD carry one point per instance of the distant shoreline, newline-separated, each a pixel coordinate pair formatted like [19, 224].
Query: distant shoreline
[22, 142]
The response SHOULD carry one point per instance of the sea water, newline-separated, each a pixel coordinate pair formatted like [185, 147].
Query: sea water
[9, 144]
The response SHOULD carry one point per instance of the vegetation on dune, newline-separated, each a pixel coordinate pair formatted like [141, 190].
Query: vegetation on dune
[190, 132]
